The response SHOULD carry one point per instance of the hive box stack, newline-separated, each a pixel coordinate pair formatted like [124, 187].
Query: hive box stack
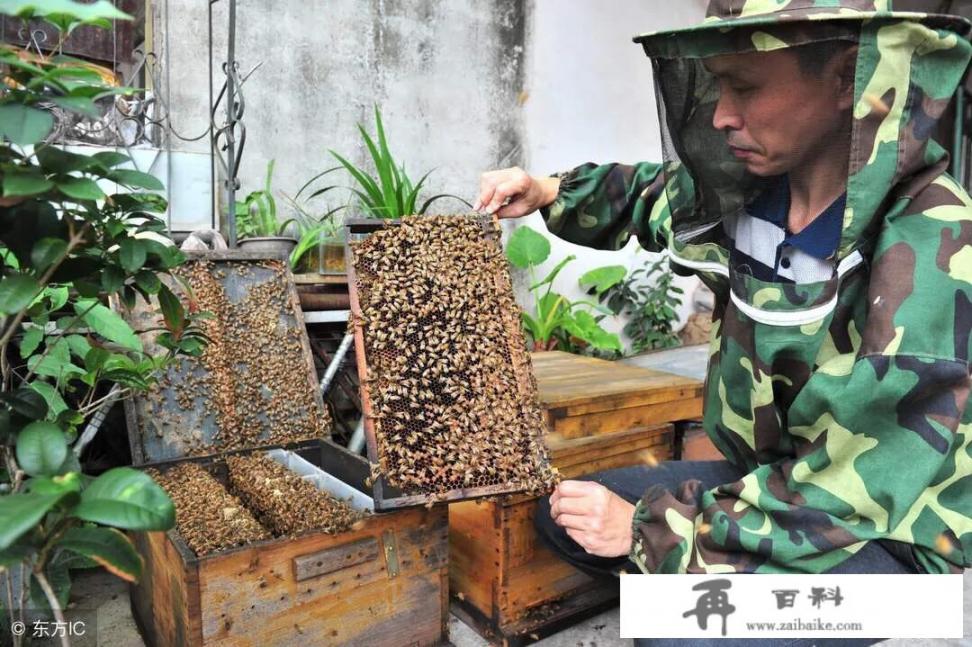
[599, 415]
[253, 566]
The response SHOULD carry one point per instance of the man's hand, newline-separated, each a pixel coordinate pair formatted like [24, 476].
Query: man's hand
[511, 193]
[593, 516]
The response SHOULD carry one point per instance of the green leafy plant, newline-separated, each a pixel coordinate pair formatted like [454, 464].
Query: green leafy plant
[256, 214]
[390, 192]
[66, 246]
[556, 323]
[647, 297]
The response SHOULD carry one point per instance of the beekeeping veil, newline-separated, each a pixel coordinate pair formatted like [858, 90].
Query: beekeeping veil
[908, 66]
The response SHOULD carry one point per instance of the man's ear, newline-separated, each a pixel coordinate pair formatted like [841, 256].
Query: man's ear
[846, 69]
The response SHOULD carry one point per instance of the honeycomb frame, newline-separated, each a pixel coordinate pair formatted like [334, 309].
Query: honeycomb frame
[467, 423]
[237, 395]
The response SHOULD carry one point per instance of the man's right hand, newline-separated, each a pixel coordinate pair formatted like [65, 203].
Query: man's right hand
[511, 193]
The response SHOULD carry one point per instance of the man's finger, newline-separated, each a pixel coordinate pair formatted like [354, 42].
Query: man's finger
[515, 209]
[487, 186]
[504, 193]
[573, 505]
[574, 521]
[577, 488]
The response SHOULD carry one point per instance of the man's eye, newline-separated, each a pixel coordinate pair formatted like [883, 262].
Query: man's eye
[742, 89]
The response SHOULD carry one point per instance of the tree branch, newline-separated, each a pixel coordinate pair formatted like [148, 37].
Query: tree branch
[52, 600]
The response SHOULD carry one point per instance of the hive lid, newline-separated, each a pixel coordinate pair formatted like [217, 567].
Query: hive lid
[254, 386]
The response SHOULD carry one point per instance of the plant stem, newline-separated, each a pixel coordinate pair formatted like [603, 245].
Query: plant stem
[52, 600]
[114, 393]
[8, 580]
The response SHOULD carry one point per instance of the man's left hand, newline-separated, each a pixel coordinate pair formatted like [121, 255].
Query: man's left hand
[593, 516]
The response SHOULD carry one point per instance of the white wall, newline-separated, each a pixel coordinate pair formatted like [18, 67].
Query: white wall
[591, 99]
[466, 86]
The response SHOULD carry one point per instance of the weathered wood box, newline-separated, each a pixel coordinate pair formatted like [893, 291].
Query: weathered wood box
[601, 415]
[382, 582]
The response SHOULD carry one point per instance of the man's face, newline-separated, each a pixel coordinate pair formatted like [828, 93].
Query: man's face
[777, 117]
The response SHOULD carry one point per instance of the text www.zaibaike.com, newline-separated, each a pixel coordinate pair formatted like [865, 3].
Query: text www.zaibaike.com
[799, 624]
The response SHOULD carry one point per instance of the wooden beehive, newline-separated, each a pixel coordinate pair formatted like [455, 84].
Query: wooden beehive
[383, 582]
[504, 581]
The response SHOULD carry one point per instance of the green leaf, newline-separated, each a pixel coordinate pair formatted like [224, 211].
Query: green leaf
[17, 291]
[79, 188]
[25, 402]
[110, 159]
[24, 183]
[603, 278]
[30, 341]
[55, 362]
[148, 281]
[19, 513]
[55, 403]
[584, 326]
[46, 252]
[131, 254]
[81, 105]
[41, 448]
[63, 13]
[112, 279]
[24, 125]
[549, 278]
[57, 160]
[527, 248]
[136, 179]
[127, 499]
[107, 546]
[107, 323]
[172, 310]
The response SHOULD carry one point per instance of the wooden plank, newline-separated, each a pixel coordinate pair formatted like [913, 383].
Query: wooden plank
[574, 385]
[253, 597]
[166, 598]
[613, 421]
[474, 553]
[334, 559]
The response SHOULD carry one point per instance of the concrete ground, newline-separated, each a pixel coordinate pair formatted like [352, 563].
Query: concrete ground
[116, 628]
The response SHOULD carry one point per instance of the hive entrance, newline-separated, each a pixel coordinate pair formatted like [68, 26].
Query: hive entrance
[450, 402]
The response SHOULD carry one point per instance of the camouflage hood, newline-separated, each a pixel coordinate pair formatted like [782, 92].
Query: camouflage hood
[909, 65]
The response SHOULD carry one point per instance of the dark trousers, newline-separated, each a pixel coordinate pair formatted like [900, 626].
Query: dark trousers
[631, 482]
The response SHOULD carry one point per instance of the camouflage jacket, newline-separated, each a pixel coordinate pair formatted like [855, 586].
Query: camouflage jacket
[845, 401]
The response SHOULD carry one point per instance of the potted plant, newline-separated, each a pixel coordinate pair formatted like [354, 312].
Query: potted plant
[556, 323]
[389, 192]
[65, 247]
[256, 222]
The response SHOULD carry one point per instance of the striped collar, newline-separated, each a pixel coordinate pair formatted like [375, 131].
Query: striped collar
[820, 238]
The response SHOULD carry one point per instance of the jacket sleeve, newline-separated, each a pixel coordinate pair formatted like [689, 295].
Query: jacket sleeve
[882, 441]
[602, 206]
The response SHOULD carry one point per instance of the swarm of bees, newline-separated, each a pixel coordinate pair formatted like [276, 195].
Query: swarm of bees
[208, 517]
[453, 399]
[251, 375]
[284, 502]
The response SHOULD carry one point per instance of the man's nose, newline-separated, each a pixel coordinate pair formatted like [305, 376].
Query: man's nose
[726, 116]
